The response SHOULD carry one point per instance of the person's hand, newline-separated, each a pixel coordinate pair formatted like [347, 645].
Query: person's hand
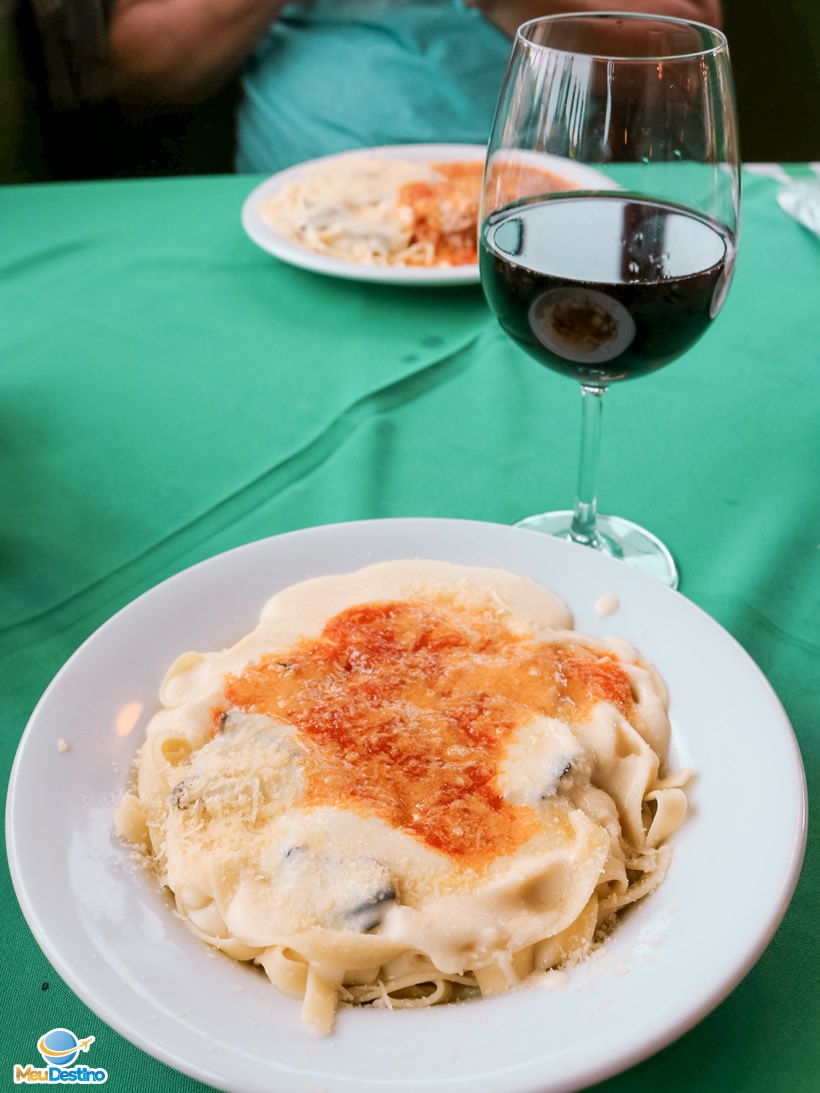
[508, 15]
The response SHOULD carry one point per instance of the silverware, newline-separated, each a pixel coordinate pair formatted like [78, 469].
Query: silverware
[799, 197]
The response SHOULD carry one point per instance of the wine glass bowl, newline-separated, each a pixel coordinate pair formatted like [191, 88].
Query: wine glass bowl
[619, 268]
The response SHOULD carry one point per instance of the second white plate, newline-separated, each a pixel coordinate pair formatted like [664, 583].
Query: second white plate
[287, 250]
[113, 936]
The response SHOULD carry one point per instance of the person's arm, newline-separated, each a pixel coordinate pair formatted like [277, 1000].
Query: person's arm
[181, 51]
[508, 15]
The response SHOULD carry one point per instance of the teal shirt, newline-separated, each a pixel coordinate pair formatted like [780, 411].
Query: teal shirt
[332, 75]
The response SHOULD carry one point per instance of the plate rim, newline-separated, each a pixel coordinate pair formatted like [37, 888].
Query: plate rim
[775, 911]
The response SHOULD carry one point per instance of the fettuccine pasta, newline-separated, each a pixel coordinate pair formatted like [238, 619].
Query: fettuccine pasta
[407, 785]
[351, 209]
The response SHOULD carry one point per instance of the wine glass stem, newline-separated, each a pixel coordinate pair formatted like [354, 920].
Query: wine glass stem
[583, 529]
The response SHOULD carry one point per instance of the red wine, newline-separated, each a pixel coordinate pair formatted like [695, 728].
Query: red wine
[604, 286]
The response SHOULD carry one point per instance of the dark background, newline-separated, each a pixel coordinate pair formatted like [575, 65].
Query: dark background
[775, 46]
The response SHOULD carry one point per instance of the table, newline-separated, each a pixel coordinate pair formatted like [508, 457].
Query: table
[169, 392]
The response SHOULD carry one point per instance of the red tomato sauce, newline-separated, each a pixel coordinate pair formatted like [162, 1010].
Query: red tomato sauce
[405, 710]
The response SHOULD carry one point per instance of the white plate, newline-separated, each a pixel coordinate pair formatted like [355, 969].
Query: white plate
[294, 253]
[114, 939]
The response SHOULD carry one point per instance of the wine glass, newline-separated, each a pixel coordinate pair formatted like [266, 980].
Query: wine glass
[609, 218]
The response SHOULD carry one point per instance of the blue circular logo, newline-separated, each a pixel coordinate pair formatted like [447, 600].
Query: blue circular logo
[60, 1047]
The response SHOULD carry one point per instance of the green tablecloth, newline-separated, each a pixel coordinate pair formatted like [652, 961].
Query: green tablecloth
[169, 391]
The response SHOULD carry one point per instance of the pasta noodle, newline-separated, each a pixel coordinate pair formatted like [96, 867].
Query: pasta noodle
[407, 785]
[350, 209]
[391, 212]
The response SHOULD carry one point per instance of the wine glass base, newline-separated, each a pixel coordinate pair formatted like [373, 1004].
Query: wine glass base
[617, 537]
